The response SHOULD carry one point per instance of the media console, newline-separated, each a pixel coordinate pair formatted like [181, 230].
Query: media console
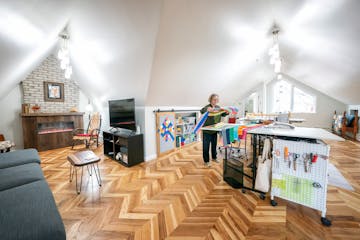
[128, 147]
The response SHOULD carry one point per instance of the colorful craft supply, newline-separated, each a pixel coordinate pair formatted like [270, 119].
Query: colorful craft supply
[201, 122]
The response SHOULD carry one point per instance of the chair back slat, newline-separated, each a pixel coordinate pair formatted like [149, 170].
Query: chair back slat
[95, 122]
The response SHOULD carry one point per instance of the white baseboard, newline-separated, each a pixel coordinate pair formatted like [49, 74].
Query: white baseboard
[150, 157]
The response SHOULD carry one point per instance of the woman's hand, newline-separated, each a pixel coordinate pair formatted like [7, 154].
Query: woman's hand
[210, 109]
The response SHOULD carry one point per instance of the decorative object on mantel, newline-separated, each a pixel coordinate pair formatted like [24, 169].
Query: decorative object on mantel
[35, 108]
[73, 109]
[25, 108]
[64, 53]
[53, 92]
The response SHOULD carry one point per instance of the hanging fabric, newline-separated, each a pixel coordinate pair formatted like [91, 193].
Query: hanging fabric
[236, 135]
[262, 182]
[224, 138]
[228, 140]
[231, 133]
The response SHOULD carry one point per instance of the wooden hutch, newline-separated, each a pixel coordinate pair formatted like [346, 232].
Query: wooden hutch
[45, 131]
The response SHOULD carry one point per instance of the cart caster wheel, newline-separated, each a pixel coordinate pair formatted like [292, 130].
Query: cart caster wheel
[325, 222]
[273, 203]
[262, 196]
[243, 190]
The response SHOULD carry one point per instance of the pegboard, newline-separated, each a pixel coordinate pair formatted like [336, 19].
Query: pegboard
[305, 184]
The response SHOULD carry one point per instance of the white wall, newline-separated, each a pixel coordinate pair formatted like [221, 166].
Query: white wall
[10, 120]
[83, 102]
[325, 105]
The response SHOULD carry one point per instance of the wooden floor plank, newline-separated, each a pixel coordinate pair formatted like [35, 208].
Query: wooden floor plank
[176, 197]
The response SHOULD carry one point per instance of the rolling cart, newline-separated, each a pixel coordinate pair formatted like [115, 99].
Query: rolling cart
[300, 174]
[300, 165]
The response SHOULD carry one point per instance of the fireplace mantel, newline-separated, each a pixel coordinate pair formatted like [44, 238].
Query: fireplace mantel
[52, 114]
[45, 131]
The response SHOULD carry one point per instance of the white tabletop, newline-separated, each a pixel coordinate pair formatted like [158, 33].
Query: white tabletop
[296, 120]
[299, 132]
[219, 129]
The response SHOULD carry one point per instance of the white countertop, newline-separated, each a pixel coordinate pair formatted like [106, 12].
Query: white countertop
[299, 132]
[219, 129]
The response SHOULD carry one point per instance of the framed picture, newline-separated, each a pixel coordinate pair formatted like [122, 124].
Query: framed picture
[53, 92]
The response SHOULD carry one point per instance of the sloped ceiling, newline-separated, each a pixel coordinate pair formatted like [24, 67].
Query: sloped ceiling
[112, 46]
[28, 32]
[176, 52]
[209, 46]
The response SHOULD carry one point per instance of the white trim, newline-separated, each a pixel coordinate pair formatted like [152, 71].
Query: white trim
[150, 157]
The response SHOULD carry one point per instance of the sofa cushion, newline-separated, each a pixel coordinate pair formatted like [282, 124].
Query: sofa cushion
[20, 175]
[19, 157]
[29, 212]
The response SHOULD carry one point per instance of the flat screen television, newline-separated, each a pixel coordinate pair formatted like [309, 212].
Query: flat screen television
[122, 114]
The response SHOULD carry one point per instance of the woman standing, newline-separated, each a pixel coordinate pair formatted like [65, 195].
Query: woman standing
[210, 137]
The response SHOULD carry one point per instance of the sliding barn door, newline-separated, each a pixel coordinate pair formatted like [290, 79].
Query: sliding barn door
[165, 132]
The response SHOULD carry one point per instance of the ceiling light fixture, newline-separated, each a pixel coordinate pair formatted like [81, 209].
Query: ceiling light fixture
[274, 51]
[64, 54]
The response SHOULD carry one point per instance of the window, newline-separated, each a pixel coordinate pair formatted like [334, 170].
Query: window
[303, 102]
[288, 98]
[282, 96]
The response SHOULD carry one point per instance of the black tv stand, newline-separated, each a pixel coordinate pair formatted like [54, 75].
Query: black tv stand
[129, 145]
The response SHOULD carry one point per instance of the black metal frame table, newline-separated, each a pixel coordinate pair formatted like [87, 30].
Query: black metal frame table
[253, 165]
[81, 159]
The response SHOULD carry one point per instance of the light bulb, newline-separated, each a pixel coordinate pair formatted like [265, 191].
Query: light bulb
[69, 69]
[60, 54]
[65, 60]
[63, 65]
[67, 75]
[277, 68]
[273, 60]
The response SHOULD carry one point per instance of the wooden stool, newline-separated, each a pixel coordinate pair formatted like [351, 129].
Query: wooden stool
[81, 159]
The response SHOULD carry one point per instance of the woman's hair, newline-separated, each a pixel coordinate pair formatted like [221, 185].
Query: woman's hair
[212, 96]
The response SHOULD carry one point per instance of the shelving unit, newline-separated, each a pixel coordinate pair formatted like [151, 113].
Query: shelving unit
[185, 123]
[124, 148]
[174, 129]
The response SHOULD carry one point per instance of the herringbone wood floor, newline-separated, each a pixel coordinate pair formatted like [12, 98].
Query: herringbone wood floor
[176, 197]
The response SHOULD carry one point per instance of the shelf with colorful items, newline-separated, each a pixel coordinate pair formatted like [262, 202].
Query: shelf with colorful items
[185, 123]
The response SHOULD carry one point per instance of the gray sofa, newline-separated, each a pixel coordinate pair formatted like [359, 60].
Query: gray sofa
[27, 206]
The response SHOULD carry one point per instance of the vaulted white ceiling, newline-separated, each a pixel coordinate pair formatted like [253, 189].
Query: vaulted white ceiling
[176, 52]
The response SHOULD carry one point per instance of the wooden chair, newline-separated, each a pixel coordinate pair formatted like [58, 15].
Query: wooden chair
[350, 124]
[91, 134]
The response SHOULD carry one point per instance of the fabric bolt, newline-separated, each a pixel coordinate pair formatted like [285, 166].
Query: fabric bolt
[236, 135]
[224, 138]
[213, 118]
[231, 135]
[227, 132]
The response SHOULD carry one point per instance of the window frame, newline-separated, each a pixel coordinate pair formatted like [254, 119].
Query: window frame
[292, 97]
